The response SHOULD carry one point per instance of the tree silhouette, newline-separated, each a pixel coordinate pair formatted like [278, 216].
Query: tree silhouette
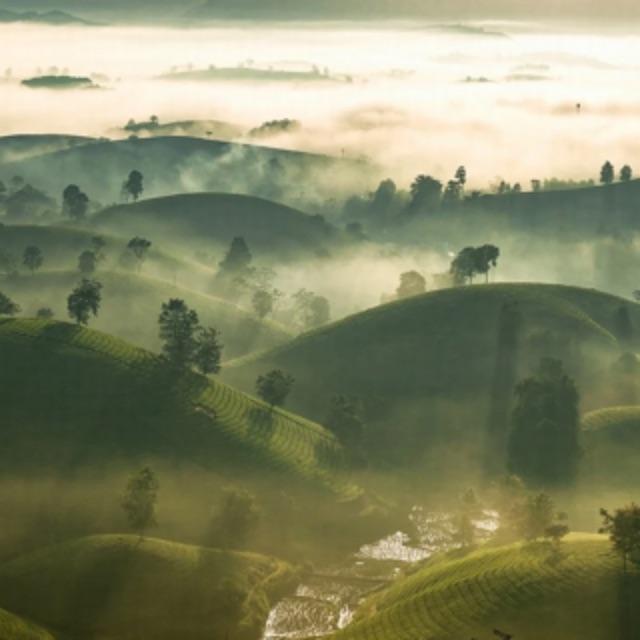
[139, 500]
[237, 259]
[461, 176]
[607, 173]
[412, 283]
[623, 527]
[425, 194]
[274, 387]
[134, 185]
[208, 350]
[139, 247]
[32, 258]
[84, 301]
[87, 262]
[7, 306]
[626, 173]
[75, 203]
[262, 303]
[178, 326]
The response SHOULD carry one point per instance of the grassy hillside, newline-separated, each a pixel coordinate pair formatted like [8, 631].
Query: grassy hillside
[61, 246]
[131, 305]
[177, 164]
[203, 220]
[73, 397]
[122, 587]
[594, 209]
[426, 364]
[14, 628]
[527, 590]
[612, 445]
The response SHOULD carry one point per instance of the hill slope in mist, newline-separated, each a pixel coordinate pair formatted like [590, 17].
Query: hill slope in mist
[212, 220]
[424, 367]
[122, 586]
[131, 305]
[178, 164]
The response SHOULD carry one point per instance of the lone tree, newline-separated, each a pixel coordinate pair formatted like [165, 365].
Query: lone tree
[412, 283]
[235, 520]
[237, 260]
[463, 266]
[607, 173]
[139, 500]
[45, 313]
[310, 309]
[344, 421]
[75, 203]
[133, 186]
[32, 258]
[274, 387]
[262, 303]
[7, 306]
[623, 527]
[208, 350]
[178, 326]
[426, 193]
[98, 243]
[87, 262]
[544, 445]
[139, 248]
[84, 301]
[626, 173]
[461, 176]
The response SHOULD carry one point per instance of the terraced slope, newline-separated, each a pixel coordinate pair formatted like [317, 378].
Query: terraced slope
[14, 628]
[528, 590]
[442, 345]
[74, 396]
[122, 587]
[131, 305]
[612, 445]
[204, 220]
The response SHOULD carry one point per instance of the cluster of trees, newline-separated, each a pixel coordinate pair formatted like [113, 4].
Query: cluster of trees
[544, 443]
[184, 342]
[238, 276]
[472, 261]
[608, 173]
[233, 521]
[274, 387]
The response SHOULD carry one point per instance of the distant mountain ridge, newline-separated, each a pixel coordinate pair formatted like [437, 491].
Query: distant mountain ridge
[53, 17]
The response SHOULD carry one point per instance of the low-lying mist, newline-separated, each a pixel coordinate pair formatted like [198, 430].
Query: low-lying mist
[412, 98]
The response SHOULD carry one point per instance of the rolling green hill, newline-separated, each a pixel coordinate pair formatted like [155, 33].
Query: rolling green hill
[205, 220]
[131, 305]
[20, 147]
[527, 590]
[14, 628]
[74, 397]
[426, 365]
[122, 587]
[612, 445]
[174, 164]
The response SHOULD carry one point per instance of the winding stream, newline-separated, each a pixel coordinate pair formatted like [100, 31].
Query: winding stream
[327, 600]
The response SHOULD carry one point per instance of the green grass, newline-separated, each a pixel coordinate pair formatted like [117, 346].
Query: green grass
[611, 439]
[14, 628]
[118, 586]
[77, 396]
[131, 305]
[206, 219]
[443, 342]
[524, 589]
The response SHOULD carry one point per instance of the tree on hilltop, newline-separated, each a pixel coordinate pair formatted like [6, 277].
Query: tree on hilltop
[139, 500]
[84, 301]
[607, 173]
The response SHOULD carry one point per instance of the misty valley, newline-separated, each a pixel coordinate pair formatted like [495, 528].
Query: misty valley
[317, 324]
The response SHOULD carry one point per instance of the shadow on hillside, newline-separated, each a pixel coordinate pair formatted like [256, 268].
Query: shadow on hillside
[61, 332]
[629, 612]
